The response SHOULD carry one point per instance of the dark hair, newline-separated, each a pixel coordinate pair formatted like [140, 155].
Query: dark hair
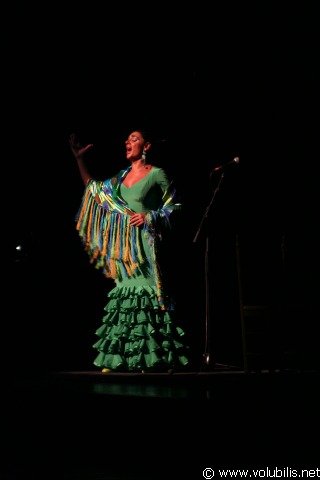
[146, 134]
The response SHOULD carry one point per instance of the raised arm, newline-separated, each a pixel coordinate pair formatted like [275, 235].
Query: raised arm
[79, 151]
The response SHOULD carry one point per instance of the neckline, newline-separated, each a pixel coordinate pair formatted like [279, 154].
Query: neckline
[137, 181]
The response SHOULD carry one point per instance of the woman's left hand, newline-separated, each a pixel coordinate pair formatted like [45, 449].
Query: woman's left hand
[137, 219]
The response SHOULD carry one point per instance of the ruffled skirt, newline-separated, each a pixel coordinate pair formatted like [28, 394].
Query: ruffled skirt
[138, 334]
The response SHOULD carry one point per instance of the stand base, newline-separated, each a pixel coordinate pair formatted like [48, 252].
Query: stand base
[209, 365]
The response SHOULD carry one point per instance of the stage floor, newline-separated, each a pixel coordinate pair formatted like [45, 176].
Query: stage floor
[203, 385]
[90, 425]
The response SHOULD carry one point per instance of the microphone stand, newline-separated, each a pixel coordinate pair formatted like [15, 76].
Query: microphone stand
[207, 351]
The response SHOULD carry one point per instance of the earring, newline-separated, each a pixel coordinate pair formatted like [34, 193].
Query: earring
[144, 156]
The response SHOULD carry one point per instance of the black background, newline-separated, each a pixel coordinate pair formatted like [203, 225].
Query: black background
[215, 83]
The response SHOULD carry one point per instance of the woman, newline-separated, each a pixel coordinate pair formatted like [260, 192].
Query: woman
[122, 222]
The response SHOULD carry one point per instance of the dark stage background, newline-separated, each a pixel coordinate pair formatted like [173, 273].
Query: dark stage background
[216, 80]
[215, 83]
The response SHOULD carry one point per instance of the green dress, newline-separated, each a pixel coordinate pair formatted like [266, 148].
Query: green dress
[138, 331]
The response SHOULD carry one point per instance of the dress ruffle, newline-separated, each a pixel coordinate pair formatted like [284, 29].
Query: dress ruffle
[138, 334]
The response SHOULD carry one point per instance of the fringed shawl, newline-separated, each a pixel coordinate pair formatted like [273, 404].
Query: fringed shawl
[103, 222]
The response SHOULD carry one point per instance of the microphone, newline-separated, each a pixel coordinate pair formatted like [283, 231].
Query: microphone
[236, 160]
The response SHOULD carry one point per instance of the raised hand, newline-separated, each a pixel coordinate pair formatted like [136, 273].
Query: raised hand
[77, 149]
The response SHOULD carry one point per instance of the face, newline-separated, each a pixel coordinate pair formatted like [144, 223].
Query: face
[135, 144]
